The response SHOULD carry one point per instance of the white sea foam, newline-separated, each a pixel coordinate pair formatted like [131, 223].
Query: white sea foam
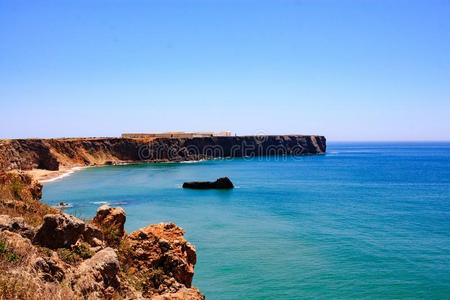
[192, 161]
[67, 205]
[100, 202]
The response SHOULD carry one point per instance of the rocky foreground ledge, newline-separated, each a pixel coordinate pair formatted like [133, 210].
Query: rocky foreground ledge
[47, 254]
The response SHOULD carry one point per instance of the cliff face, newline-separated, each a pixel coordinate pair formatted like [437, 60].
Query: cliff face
[50, 154]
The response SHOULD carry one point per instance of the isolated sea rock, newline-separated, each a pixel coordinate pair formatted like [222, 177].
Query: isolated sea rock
[221, 183]
[59, 231]
[111, 220]
[162, 251]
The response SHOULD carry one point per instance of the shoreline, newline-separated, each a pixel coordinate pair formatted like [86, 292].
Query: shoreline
[46, 176]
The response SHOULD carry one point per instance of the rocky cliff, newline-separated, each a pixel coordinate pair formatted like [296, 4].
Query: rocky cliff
[46, 254]
[51, 154]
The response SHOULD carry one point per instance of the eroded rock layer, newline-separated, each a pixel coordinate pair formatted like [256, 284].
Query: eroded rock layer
[51, 154]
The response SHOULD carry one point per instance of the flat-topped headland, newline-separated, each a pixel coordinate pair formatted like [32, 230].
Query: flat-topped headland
[60, 155]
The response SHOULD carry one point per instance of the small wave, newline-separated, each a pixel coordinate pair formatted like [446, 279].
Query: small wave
[63, 206]
[100, 202]
[192, 161]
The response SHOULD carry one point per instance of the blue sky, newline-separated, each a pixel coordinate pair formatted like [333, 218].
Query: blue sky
[350, 70]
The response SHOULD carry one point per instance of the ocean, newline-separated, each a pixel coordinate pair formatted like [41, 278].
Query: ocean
[364, 221]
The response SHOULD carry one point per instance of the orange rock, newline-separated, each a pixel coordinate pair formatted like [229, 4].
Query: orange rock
[163, 251]
[111, 220]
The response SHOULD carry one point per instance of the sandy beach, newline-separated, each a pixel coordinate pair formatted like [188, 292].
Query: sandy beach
[44, 176]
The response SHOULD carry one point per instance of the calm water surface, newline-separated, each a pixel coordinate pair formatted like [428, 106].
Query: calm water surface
[365, 221]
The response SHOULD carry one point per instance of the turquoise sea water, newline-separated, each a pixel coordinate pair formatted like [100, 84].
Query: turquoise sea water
[364, 221]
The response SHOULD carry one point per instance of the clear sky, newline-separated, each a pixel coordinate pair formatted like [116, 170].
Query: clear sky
[350, 70]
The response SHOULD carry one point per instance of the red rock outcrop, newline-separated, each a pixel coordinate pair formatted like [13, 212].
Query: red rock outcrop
[111, 220]
[67, 258]
[161, 251]
[156, 257]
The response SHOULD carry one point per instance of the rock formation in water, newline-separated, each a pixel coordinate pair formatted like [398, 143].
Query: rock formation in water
[58, 256]
[223, 183]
